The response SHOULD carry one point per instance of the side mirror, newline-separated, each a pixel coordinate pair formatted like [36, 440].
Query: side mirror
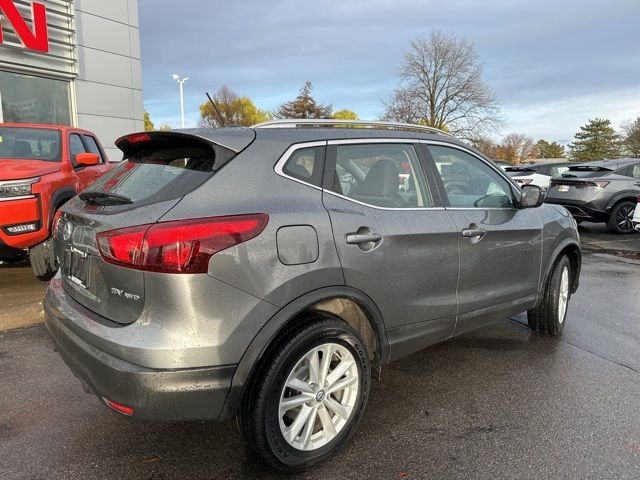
[87, 159]
[532, 196]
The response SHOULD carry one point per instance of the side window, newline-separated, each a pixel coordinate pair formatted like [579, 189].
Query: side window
[75, 146]
[383, 175]
[92, 146]
[634, 170]
[306, 164]
[469, 182]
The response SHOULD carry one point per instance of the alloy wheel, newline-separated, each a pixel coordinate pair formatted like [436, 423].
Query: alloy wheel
[318, 397]
[563, 297]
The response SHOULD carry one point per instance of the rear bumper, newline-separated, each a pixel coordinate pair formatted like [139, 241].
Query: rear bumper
[8, 252]
[154, 394]
[589, 212]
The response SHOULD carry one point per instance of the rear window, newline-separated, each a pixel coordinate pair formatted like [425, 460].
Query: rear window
[586, 172]
[30, 144]
[155, 174]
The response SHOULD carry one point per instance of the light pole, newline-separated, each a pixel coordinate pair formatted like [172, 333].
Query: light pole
[181, 83]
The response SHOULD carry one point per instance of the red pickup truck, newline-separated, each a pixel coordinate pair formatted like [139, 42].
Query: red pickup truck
[41, 167]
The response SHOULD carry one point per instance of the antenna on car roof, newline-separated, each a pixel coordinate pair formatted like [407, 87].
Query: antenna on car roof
[216, 109]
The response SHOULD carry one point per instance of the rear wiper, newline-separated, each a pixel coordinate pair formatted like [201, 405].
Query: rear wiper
[568, 175]
[104, 198]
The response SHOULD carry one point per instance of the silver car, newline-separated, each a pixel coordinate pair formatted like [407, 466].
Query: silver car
[265, 272]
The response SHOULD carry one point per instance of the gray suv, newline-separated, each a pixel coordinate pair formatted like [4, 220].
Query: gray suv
[266, 272]
[604, 191]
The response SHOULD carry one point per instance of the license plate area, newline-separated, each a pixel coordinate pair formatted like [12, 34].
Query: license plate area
[78, 267]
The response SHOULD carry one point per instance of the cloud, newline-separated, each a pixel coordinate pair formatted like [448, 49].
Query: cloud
[536, 54]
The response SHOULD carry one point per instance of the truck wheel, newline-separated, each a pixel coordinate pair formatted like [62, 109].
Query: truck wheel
[310, 398]
[549, 315]
[43, 260]
[619, 220]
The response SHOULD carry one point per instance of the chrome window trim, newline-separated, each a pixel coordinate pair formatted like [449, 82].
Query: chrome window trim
[278, 167]
[381, 208]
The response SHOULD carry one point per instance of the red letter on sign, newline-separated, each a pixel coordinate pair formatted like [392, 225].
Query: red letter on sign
[36, 40]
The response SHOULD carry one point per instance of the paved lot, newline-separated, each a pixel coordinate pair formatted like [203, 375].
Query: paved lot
[501, 402]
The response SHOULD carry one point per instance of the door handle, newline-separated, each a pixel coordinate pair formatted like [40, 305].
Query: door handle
[356, 238]
[474, 233]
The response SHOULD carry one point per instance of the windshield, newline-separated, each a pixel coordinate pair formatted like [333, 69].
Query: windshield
[29, 144]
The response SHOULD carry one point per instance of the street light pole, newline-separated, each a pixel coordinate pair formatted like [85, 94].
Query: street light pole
[181, 83]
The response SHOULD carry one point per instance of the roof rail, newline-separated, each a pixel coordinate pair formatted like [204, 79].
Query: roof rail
[297, 123]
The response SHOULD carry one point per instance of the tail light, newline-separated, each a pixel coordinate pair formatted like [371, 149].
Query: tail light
[183, 246]
[56, 220]
[602, 184]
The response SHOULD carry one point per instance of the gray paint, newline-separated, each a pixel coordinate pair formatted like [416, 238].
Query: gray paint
[297, 244]
[422, 283]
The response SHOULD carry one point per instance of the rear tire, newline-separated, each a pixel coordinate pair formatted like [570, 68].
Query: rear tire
[549, 316]
[43, 260]
[619, 220]
[293, 429]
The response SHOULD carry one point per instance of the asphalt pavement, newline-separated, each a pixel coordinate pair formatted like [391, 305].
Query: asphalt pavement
[501, 402]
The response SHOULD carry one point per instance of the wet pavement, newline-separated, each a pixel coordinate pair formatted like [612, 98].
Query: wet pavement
[501, 402]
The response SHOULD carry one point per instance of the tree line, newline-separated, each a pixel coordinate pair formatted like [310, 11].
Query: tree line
[440, 85]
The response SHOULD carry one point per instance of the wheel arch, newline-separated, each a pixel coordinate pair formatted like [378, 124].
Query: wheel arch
[570, 248]
[628, 195]
[349, 304]
[59, 197]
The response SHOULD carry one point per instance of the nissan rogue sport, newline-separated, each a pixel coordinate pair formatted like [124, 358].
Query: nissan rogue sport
[265, 272]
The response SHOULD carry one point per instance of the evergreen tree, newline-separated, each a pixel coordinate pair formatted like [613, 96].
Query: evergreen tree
[549, 150]
[304, 106]
[596, 140]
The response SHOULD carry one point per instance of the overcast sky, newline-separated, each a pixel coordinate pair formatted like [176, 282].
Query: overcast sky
[554, 64]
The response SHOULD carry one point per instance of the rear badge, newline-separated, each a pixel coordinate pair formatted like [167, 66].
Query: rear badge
[123, 294]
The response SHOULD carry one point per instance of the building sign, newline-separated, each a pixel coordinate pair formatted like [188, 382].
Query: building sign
[38, 37]
[33, 38]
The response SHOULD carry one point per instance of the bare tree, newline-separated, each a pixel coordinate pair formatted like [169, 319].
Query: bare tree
[442, 86]
[518, 147]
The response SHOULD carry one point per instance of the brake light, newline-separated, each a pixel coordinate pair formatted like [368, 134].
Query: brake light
[56, 220]
[138, 137]
[183, 246]
[602, 184]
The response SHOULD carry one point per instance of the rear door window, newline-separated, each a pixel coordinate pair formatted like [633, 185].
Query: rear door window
[382, 175]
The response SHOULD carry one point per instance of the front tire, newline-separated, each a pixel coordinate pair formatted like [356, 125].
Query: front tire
[549, 316]
[620, 217]
[43, 260]
[312, 395]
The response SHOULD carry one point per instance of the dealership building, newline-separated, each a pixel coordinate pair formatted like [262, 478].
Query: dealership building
[72, 62]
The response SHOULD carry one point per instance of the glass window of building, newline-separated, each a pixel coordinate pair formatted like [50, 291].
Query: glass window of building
[29, 99]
